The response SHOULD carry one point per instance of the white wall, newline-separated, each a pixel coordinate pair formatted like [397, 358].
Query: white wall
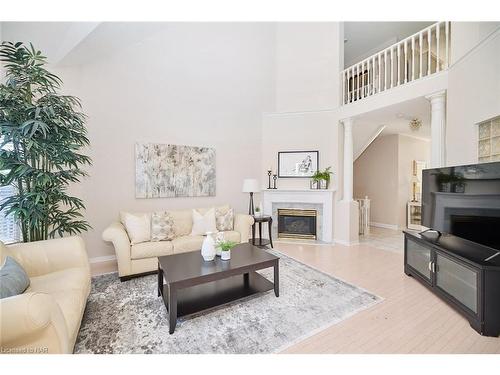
[473, 89]
[383, 173]
[307, 66]
[295, 132]
[195, 84]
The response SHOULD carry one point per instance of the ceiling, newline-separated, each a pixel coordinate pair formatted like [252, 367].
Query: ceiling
[397, 117]
[74, 43]
[363, 39]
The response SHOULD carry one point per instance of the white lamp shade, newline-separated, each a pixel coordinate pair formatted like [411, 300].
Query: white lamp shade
[250, 185]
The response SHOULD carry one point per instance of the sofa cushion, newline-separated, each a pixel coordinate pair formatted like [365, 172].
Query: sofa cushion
[151, 249]
[138, 226]
[13, 278]
[187, 243]
[203, 223]
[183, 222]
[224, 218]
[162, 226]
[70, 289]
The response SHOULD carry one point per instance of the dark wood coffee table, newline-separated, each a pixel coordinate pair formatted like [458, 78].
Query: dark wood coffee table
[193, 285]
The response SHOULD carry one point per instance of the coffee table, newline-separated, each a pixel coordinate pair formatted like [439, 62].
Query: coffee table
[188, 284]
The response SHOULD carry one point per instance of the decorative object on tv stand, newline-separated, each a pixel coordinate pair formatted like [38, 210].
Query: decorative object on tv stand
[321, 179]
[269, 173]
[250, 185]
[47, 132]
[226, 247]
[208, 247]
[164, 171]
[275, 177]
[297, 164]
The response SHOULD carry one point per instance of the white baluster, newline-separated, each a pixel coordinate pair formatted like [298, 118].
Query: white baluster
[429, 54]
[392, 68]
[405, 61]
[420, 44]
[413, 58]
[446, 28]
[399, 67]
[385, 70]
[359, 84]
[437, 48]
[368, 77]
[343, 87]
[373, 75]
[379, 72]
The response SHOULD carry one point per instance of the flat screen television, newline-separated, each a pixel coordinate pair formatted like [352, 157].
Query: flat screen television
[464, 201]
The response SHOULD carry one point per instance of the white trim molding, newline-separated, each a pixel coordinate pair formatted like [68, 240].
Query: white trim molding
[383, 225]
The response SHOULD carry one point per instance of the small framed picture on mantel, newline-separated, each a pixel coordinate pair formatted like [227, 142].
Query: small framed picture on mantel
[297, 164]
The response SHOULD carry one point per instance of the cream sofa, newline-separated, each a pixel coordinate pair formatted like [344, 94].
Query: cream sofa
[47, 316]
[141, 258]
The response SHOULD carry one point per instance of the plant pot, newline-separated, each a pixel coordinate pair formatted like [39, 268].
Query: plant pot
[323, 184]
[313, 184]
[225, 255]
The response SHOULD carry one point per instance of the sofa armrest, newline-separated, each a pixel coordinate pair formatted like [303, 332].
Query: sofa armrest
[242, 224]
[32, 323]
[117, 234]
[42, 257]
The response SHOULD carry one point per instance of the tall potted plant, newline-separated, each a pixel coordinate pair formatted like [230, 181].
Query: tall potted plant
[42, 134]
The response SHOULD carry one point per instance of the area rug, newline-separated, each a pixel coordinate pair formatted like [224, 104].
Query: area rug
[128, 317]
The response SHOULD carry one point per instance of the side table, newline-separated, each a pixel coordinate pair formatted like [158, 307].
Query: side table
[261, 241]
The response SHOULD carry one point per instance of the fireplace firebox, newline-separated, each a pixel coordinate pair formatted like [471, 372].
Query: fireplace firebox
[297, 223]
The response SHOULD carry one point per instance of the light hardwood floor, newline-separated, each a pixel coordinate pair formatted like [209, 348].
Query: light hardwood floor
[410, 319]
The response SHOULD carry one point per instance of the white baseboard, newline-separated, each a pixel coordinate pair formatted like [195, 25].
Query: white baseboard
[383, 225]
[346, 243]
[106, 258]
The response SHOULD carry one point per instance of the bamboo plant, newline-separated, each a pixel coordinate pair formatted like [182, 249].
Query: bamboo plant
[42, 135]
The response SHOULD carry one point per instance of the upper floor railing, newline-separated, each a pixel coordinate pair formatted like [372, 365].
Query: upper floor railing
[420, 55]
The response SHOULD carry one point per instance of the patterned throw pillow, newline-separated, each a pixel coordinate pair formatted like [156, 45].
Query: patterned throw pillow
[162, 226]
[224, 218]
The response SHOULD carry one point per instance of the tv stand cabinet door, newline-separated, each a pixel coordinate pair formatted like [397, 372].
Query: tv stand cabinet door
[418, 258]
[459, 281]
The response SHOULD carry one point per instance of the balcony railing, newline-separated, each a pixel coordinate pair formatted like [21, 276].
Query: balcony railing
[420, 55]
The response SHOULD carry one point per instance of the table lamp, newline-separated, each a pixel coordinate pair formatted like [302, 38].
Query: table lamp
[250, 185]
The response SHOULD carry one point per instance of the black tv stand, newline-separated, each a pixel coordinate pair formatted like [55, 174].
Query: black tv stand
[463, 273]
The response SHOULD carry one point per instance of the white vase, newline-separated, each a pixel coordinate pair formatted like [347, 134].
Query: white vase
[208, 247]
[225, 255]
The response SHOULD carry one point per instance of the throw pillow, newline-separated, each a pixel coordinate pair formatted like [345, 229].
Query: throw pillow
[162, 226]
[138, 227]
[203, 223]
[224, 218]
[13, 278]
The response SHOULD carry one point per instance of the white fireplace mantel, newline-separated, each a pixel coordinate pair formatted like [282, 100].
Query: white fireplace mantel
[316, 196]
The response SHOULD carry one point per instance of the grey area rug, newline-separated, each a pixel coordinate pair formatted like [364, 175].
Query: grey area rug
[128, 317]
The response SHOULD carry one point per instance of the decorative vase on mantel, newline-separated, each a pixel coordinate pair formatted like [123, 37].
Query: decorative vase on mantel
[208, 247]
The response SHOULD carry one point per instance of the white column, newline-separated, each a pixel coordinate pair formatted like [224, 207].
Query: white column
[348, 160]
[438, 128]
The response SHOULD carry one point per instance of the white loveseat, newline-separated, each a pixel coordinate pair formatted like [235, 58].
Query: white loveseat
[46, 317]
[141, 258]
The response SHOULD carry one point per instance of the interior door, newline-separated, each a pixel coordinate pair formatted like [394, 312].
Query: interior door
[418, 257]
[458, 281]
